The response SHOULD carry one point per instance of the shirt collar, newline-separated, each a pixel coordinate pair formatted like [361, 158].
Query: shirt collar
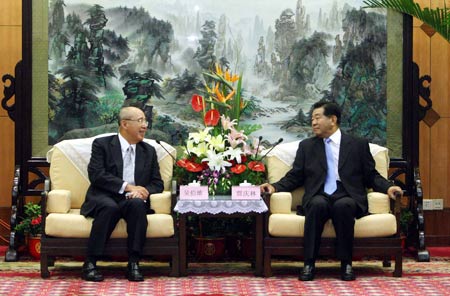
[124, 144]
[336, 137]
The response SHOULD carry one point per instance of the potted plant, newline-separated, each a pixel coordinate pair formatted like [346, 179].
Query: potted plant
[406, 217]
[31, 228]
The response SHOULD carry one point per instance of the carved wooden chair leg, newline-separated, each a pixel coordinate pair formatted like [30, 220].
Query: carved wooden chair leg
[175, 266]
[44, 266]
[267, 264]
[387, 261]
[398, 265]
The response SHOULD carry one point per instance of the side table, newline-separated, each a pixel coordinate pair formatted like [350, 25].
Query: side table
[221, 206]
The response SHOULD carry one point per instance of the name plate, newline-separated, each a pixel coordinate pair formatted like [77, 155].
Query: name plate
[193, 192]
[245, 192]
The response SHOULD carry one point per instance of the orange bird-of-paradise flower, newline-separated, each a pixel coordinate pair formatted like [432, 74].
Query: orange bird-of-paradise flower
[230, 77]
[197, 102]
[212, 117]
[219, 70]
[221, 98]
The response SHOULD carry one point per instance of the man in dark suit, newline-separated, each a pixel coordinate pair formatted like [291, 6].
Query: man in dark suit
[335, 179]
[123, 172]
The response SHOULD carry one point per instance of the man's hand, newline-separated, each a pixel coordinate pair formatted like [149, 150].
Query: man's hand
[136, 192]
[267, 188]
[393, 190]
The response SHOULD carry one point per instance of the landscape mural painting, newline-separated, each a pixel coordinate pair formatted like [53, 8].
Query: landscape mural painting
[104, 54]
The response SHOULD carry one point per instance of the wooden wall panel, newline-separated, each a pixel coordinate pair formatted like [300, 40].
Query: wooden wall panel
[10, 53]
[11, 12]
[439, 160]
[440, 65]
[7, 162]
[421, 56]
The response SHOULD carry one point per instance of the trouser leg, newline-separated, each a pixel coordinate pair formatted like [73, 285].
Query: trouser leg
[316, 215]
[343, 216]
[106, 217]
[134, 212]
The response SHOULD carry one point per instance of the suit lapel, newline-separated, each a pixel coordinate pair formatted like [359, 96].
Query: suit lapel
[139, 163]
[344, 150]
[319, 147]
[116, 152]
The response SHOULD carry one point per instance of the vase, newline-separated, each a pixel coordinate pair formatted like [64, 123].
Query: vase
[34, 246]
[210, 248]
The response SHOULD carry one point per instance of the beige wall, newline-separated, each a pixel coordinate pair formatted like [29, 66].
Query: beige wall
[10, 54]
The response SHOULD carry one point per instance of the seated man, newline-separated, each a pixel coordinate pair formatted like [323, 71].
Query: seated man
[123, 172]
[335, 169]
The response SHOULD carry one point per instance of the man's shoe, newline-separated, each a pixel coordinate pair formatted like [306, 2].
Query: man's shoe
[90, 273]
[308, 273]
[133, 272]
[347, 272]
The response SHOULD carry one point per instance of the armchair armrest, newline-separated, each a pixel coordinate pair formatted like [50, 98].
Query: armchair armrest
[161, 202]
[379, 203]
[58, 201]
[280, 203]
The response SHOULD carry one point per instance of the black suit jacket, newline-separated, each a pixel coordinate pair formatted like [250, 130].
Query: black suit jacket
[356, 170]
[105, 171]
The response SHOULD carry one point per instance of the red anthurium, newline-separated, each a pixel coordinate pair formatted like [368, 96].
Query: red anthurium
[256, 166]
[197, 102]
[212, 117]
[182, 163]
[238, 169]
[193, 166]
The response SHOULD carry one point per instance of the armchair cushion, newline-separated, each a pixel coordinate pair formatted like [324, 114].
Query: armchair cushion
[75, 225]
[292, 225]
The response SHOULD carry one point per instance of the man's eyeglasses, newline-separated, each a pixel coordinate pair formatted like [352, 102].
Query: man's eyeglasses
[141, 121]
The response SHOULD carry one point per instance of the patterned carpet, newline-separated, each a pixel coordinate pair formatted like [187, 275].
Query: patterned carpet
[431, 278]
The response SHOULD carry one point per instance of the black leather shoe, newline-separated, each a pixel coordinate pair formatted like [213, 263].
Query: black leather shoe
[133, 272]
[347, 273]
[308, 273]
[90, 273]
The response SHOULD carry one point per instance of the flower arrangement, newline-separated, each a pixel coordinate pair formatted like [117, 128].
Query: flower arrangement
[32, 222]
[221, 154]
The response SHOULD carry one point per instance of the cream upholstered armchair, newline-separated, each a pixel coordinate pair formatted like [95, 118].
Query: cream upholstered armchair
[375, 234]
[66, 231]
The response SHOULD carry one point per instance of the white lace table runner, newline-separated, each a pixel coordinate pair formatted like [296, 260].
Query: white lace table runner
[220, 206]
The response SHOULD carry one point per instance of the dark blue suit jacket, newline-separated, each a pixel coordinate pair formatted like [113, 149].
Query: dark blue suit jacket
[356, 170]
[105, 171]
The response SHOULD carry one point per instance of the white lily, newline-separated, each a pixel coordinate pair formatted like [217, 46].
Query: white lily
[234, 154]
[217, 143]
[202, 136]
[216, 161]
[200, 149]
